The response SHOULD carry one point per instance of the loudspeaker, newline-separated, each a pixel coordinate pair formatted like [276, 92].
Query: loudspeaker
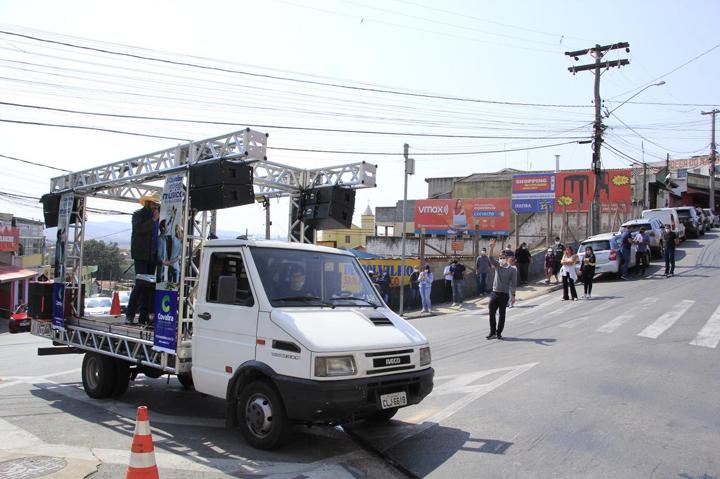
[40, 300]
[330, 194]
[328, 216]
[223, 172]
[221, 196]
[51, 209]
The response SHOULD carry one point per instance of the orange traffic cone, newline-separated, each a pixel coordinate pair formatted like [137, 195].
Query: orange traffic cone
[142, 454]
[115, 306]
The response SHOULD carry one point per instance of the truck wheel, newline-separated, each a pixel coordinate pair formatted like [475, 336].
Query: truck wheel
[98, 375]
[382, 415]
[186, 380]
[261, 416]
[122, 378]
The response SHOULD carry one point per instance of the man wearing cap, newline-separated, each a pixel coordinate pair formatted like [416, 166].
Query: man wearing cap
[143, 250]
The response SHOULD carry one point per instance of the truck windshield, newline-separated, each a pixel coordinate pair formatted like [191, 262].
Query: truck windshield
[293, 277]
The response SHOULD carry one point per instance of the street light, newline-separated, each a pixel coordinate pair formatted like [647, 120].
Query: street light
[660, 83]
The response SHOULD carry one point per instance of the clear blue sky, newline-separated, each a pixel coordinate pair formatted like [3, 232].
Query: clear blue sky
[498, 51]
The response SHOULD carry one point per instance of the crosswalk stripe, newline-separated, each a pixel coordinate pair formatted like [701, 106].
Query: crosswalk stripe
[618, 321]
[709, 335]
[664, 322]
[560, 310]
[574, 322]
[513, 317]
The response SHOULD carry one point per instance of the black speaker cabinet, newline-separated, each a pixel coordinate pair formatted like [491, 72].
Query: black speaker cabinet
[329, 216]
[222, 196]
[223, 172]
[40, 300]
[51, 209]
[330, 194]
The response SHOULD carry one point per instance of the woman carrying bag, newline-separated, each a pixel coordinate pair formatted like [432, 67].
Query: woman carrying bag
[588, 271]
[568, 273]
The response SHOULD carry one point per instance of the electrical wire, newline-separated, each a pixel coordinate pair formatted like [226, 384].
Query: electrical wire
[93, 128]
[33, 163]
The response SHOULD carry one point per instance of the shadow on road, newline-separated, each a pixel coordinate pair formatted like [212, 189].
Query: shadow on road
[539, 341]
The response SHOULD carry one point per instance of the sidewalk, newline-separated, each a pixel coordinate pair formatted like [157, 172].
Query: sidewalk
[524, 293]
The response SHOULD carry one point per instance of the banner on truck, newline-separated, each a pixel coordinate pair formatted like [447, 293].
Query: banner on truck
[66, 206]
[58, 320]
[459, 216]
[533, 193]
[169, 254]
[393, 267]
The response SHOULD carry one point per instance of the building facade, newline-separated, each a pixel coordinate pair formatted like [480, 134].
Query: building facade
[353, 237]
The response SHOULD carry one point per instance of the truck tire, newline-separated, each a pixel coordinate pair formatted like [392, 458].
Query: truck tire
[122, 378]
[261, 416]
[382, 415]
[98, 375]
[186, 380]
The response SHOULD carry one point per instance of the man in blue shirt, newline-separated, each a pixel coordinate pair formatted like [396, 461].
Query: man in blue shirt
[625, 245]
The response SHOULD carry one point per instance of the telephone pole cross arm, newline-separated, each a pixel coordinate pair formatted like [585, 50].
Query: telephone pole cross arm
[598, 52]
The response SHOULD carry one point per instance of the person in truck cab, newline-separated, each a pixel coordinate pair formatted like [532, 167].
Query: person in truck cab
[297, 280]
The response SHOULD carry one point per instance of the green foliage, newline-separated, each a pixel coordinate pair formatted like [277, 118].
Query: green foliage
[107, 258]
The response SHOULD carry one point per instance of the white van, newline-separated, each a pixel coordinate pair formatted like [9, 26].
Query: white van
[668, 216]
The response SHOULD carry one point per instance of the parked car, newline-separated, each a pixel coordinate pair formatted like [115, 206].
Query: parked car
[711, 219]
[668, 216]
[124, 299]
[689, 217]
[606, 247]
[19, 320]
[702, 219]
[98, 306]
[653, 228]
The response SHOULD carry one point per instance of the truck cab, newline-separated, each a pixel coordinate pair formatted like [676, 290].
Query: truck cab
[293, 333]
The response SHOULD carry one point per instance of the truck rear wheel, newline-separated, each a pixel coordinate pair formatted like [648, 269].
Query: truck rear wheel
[98, 375]
[261, 416]
[122, 378]
[382, 415]
[186, 380]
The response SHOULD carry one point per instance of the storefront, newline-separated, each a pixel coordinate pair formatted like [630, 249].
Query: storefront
[13, 288]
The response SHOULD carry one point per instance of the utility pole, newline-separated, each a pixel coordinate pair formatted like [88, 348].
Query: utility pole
[268, 223]
[409, 170]
[598, 52]
[713, 154]
[642, 144]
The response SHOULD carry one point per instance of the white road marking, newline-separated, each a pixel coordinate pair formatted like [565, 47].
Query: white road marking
[602, 306]
[664, 322]
[562, 309]
[34, 379]
[618, 321]
[709, 335]
[574, 322]
[514, 316]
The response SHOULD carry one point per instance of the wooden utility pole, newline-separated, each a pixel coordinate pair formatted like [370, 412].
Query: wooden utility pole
[598, 52]
[713, 154]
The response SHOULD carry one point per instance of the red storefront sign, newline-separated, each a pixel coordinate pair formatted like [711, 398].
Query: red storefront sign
[575, 189]
[9, 239]
[459, 216]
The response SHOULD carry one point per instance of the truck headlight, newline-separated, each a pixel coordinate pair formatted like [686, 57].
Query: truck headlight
[326, 366]
[425, 356]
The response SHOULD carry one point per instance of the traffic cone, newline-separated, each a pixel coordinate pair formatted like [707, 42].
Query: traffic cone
[142, 454]
[115, 307]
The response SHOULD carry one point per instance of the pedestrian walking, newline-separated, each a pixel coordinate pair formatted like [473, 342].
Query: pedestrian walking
[503, 289]
[457, 270]
[587, 270]
[482, 268]
[568, 273]
[558, 251]
[549, 265]
[425, 280]
[642, 255]
[447, 274]
[669, 238]
[414, 287]
[523, 259]
[626, 248]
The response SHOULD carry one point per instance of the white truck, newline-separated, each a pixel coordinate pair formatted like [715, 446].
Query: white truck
[286, 332]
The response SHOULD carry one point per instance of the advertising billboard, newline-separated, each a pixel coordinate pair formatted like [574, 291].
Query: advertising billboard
[575, 190]
[533, 192]
[393, 267]
[9, 238]
[459, 216]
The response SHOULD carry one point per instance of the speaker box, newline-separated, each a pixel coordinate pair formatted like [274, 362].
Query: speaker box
[330, 194]
[223, 172]
[51, 209]
[40, 300]
[329, 216]
[221, 196]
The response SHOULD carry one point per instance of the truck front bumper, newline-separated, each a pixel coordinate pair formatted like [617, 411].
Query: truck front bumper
[347, 400]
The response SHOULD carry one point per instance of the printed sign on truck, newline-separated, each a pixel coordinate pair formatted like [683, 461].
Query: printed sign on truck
[459, 216]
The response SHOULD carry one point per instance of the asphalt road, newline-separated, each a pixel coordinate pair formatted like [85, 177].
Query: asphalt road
[623, 385]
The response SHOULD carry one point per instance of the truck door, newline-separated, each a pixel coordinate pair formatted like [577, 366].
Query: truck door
[225, 322]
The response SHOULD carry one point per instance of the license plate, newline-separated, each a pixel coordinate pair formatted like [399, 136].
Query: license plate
[24, 322]
[388, 401]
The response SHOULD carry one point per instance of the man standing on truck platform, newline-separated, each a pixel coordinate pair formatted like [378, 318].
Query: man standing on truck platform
[143, 250]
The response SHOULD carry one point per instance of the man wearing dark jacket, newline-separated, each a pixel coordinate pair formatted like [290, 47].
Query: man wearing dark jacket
[669, 241]
[143, 250]
[523, 258]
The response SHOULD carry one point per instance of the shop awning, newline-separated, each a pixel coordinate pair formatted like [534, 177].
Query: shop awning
[12, 273]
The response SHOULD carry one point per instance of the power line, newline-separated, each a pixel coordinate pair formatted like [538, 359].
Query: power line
[33, 163]
[93, 128]
[282, 78]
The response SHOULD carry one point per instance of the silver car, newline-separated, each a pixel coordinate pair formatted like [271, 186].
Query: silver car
[608, 255]
[653, 228]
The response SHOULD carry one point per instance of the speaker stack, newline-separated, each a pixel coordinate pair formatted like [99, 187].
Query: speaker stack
[40, 300]
[328, 208]
[51, 209]
[221, 184]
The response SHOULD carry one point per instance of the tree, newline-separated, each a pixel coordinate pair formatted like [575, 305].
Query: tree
[106, 256]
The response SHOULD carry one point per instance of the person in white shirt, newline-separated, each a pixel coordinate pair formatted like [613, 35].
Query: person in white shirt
[448, 281]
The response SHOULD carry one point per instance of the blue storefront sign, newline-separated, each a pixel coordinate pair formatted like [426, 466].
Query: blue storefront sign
[166, 320]
[58, 321]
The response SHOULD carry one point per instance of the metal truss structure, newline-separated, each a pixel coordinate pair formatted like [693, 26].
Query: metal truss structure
[130, 179]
